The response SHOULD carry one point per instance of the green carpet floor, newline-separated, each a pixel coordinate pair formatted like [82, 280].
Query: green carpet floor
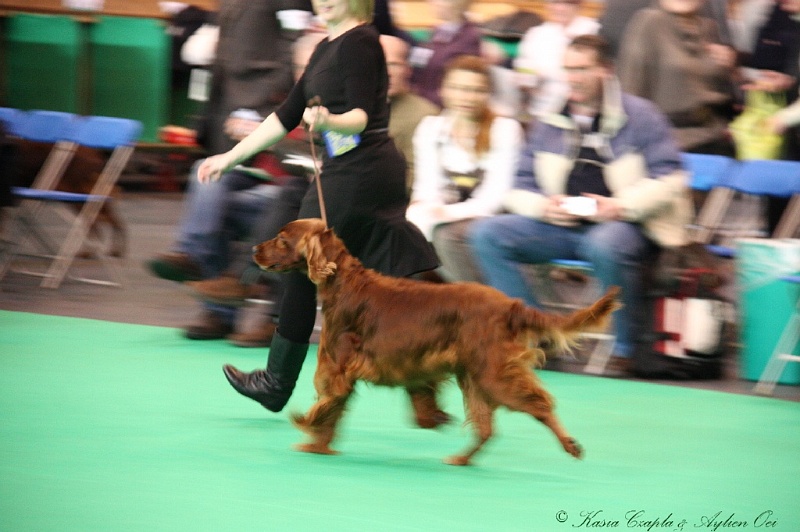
[114, 427]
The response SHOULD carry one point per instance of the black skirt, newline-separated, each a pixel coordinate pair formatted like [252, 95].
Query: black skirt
[365, 203]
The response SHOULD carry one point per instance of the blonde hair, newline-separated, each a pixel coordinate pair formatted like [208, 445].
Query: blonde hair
[363, 10]
[477, 65]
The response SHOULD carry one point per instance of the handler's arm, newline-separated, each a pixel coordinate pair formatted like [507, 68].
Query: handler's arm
[265, 135]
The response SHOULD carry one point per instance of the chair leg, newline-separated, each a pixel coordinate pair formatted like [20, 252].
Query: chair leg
[84, 220]
[600, 355]
[549, 295]
[780, 357]
[790, 221]
[72, 244]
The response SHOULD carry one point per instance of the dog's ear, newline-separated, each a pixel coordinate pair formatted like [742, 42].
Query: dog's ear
[319, 267]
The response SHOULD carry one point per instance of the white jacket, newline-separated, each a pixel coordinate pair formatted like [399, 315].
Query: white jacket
[434, 151]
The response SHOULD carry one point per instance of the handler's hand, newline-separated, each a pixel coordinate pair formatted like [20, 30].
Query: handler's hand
[213, 167]
[316, 117]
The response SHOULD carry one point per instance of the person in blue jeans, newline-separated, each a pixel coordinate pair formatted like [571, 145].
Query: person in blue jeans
[600, 181]
[215, 218]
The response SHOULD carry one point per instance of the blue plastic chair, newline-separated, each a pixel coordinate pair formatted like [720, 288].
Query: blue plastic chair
[47, 126]
[762, 177]
[118, 135]
[12, 119]
[551, 297]
[756, 178]
[50, 127]
[707, 171]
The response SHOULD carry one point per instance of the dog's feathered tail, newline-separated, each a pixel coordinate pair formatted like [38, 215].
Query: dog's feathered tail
[562, 330]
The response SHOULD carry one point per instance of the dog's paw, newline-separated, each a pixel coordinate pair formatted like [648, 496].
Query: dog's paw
[574, 448]
[435, 420]
[458, 459]
[316, 448]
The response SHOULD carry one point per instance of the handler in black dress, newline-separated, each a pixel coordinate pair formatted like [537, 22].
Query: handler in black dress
[363, 185]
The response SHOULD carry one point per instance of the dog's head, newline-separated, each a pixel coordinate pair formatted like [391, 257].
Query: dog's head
[300, 245]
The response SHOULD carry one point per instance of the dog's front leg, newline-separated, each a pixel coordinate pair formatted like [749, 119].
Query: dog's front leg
[334, 389]
[320, 423]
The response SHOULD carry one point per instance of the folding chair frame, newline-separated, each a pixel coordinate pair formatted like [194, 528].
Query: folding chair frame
[80, 228]
[40, 126]
[710, 217]
[598, 358]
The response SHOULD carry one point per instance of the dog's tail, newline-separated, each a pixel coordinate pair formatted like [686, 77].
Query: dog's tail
[562, 330]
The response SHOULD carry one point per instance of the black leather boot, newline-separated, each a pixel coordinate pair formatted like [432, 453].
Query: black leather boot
[271, 387]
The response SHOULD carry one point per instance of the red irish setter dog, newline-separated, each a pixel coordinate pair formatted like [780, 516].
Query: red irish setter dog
[402, 332]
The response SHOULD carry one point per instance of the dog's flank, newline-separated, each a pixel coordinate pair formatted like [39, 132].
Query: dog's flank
[400, 332]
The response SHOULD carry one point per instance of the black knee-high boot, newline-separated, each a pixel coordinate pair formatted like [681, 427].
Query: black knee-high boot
[271, 387]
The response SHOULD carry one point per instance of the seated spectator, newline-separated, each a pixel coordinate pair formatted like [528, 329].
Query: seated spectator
[465, 163]
[216, 216]
[612, 149]
[540, 54]
[673, 56]
[454, 35]
[407, 108]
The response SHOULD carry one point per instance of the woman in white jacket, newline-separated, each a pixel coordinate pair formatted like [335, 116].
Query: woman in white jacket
[465, 160]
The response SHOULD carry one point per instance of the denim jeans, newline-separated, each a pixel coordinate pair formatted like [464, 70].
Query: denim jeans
[219, 213]
[617, 251]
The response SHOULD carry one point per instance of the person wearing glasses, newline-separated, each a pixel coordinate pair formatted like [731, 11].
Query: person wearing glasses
[539, 61]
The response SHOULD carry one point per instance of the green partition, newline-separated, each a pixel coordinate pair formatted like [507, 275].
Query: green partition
[43, 58]
[130, 70]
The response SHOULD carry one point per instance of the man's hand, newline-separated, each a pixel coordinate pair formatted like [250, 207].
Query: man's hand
[608, 209]
[556, 214]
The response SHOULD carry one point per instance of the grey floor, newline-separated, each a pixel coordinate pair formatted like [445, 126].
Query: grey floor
[152, 218]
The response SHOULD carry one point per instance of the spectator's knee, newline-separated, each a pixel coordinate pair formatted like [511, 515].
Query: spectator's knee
[479, 234]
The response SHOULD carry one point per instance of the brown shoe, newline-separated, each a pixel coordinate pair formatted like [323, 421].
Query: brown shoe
[175, 267]
[226, 291]
[260, 337]
[618, 366]
[209, 327]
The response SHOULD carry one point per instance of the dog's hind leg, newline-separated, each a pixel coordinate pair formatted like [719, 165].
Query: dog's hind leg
[518, 389]
[480, 413]
[427, 413]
